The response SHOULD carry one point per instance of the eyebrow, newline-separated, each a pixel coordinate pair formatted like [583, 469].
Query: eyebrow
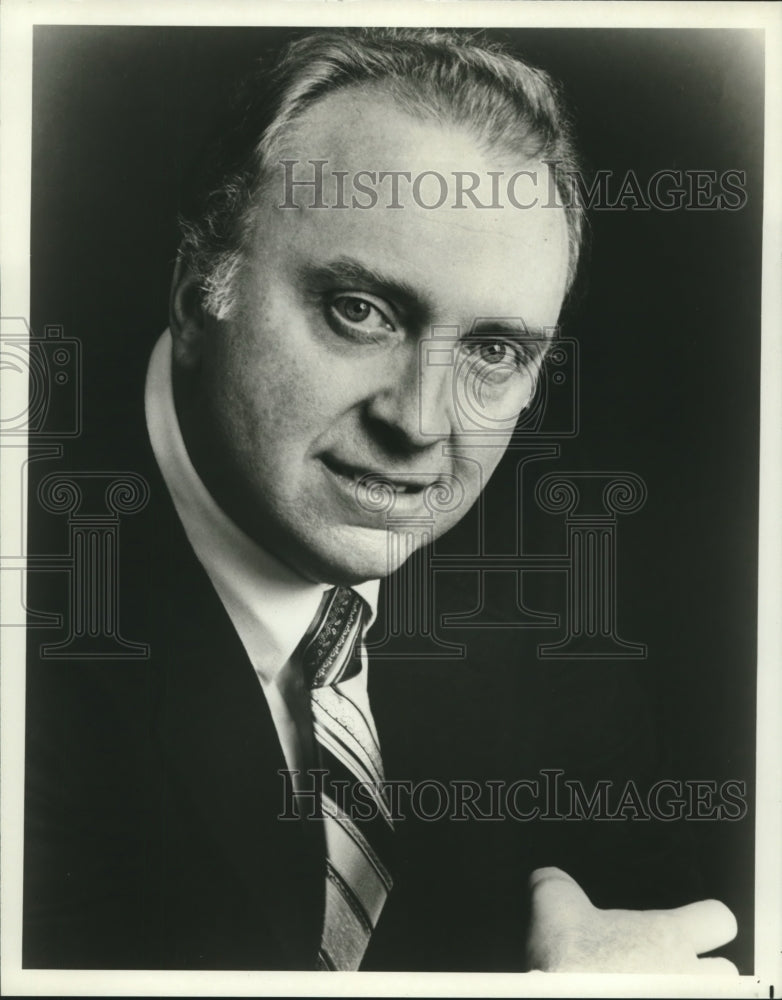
[348, 271]
[516, 327]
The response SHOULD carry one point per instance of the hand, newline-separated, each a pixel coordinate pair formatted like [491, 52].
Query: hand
[568, 934]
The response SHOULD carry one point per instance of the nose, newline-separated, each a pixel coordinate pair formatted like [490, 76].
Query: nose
[414, 409]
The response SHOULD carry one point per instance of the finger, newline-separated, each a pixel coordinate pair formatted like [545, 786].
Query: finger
[716, 967]
[707, 925]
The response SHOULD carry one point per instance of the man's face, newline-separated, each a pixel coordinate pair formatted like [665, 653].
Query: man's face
[336, 369]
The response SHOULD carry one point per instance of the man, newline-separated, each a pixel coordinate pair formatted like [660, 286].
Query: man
[321, 344]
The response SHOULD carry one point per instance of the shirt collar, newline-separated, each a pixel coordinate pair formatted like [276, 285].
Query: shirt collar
[270, 605]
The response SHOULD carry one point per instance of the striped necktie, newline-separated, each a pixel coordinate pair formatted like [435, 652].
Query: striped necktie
[357, 820]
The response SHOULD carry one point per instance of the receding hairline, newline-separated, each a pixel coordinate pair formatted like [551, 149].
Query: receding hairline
[485, 142]
[456, 78]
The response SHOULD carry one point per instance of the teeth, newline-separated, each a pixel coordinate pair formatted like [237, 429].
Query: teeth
[355, 477]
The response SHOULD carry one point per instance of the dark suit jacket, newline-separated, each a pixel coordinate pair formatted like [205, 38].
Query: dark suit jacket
[152, 795]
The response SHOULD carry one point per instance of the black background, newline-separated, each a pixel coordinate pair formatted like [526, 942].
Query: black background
[668, 323]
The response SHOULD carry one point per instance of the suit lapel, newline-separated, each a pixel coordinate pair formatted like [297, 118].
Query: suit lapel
[220, 748]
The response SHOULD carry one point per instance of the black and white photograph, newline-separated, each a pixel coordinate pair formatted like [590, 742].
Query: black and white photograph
[390, 548]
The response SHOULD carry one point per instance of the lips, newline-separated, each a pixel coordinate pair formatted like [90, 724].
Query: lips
[357, 475]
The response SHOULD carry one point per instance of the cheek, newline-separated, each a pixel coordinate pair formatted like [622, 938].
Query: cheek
[255, 372]
[270, 386]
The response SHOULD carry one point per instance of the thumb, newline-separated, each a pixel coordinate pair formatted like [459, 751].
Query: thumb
[559, 907]
[555, 894]
[551, 874]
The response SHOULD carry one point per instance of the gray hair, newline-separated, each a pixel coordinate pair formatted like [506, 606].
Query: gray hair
[448, 76]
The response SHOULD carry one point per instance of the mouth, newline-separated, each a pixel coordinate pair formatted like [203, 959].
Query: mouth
[357, 477]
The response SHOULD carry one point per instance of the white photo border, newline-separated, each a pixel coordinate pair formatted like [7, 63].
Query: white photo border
[17, 21]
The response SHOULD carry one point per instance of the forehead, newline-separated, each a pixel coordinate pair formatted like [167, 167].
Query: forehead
[474, 260]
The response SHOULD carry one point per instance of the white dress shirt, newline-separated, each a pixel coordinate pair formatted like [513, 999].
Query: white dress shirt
[271, 607]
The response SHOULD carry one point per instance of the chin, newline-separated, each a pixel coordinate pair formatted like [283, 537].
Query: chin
[356, 555]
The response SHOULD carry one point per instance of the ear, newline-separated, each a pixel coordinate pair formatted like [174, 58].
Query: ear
[187, 318]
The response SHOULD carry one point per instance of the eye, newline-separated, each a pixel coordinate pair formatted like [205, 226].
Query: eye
[496, 361]
[497, 353]
[358, 314]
